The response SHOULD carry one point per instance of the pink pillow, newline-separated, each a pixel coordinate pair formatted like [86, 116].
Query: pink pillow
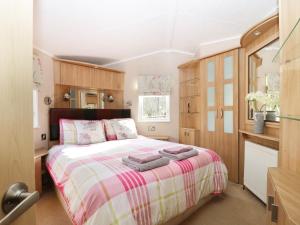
[124, 128]
[81, 132]
[109, 131]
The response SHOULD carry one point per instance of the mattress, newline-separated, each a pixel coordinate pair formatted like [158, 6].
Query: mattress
[98, 189]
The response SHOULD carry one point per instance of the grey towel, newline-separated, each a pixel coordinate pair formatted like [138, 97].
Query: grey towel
[163, 161]
[180, 156]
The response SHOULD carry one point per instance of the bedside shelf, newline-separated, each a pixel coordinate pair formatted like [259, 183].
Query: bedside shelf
[262, 136]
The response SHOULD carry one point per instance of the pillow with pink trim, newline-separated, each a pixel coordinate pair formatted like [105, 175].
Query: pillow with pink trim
[81, 132]
[124, 128]
[109, 131]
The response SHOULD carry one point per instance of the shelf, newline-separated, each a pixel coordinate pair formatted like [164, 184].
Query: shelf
[290, 49]
[262, 136]
[290, 117]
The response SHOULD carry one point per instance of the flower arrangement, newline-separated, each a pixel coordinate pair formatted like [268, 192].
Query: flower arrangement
[268, 101]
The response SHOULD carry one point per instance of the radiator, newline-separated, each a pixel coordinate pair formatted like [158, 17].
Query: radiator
[257, 160]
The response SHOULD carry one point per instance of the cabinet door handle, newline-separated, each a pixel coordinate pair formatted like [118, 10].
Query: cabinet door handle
[189, 106]
[270, 202]
[217, 111]
[221, 113]
[274, 213]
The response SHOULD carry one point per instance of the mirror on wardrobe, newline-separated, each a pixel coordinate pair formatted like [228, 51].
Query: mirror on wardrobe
[264, 82]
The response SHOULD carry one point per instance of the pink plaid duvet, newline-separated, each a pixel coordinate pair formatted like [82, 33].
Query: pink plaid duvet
[99, 190]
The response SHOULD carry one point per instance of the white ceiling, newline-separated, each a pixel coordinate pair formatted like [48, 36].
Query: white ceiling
[121, 29]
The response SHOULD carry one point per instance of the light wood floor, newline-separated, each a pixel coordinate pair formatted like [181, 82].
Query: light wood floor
[235, 207]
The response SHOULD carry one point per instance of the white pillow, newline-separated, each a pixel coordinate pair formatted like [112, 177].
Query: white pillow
[81, 132]
[124, 128]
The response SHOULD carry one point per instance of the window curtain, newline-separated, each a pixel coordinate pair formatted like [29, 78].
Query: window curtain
[154, 85]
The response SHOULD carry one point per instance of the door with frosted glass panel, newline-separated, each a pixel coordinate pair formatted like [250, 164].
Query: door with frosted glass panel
[228, 111]
[210, 100]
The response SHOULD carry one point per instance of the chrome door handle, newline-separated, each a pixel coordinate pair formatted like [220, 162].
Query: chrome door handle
[270, 202]
[274, 213]
[16, 201]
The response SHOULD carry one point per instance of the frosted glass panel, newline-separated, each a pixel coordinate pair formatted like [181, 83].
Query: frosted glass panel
[228, 122]
[228, 94]
[211, 120]
[211, 96]
[211, 71]
[228, 67]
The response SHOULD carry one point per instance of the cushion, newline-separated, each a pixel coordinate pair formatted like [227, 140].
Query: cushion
[109, 130]
[124, 128]
[81, 132]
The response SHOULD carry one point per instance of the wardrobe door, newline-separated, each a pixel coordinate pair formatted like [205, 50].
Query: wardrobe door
[228, 112]
[210, 109]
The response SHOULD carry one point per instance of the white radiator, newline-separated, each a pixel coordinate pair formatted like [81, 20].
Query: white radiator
[257, 160]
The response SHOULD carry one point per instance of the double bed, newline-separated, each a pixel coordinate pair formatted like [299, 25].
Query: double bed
[95, 187]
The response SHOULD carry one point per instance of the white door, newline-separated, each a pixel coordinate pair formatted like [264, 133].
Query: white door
[16, 128]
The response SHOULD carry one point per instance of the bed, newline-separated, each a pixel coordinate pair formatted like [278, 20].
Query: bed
[97, 189]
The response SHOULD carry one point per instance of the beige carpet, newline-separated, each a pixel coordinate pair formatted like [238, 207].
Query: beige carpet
[235, 207]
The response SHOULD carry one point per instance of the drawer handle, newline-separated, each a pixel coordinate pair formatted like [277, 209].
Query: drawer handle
[274, 213]
[270, 202]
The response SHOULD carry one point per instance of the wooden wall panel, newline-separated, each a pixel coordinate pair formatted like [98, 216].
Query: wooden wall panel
[269, 32]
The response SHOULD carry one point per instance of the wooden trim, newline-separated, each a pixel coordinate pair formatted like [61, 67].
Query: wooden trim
[262, 27]
[195, 61]
[95, 66]
[262, 136]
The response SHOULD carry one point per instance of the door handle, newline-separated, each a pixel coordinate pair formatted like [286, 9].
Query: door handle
[274, 213]
[16, 201]
[221, 113]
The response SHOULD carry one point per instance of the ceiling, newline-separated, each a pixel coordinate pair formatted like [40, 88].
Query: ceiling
[105, 31]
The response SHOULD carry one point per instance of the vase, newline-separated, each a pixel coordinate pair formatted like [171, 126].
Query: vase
[259, 123]
[271, 116]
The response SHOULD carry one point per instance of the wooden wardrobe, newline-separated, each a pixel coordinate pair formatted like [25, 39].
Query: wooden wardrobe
[284, 181]
[209, 106]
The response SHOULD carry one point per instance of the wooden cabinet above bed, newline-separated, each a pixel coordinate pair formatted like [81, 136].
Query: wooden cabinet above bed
[75, 78]
[87, 75]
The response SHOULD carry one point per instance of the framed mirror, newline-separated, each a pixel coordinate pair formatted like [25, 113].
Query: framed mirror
[264, 82]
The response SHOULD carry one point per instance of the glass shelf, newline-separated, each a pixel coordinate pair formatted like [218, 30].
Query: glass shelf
[290, 49]
[290, 117]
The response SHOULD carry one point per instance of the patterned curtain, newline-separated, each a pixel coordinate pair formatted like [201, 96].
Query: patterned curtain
[154, 85]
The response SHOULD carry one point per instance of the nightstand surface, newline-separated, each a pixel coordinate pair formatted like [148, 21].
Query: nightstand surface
[38, 153]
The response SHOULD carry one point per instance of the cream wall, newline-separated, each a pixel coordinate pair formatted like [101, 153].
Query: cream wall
[161, 63]
[45, 89]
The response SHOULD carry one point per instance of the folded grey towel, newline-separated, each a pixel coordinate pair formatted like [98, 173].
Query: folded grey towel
[180, 156]
[163, 161]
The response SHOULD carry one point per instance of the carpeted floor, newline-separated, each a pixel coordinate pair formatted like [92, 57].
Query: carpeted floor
[235, 207]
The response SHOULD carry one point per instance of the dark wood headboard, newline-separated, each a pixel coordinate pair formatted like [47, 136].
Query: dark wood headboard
[82, 114]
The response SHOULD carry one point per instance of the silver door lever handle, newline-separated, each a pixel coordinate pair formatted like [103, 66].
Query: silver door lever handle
[16, 201]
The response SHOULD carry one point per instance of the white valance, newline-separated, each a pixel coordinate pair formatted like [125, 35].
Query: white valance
[154, 85]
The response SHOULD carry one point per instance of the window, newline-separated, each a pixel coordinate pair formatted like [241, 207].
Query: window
[154, 108]
[35, 109]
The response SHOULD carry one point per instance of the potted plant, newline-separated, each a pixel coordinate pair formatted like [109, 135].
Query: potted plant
[259, 115]
[272, 105]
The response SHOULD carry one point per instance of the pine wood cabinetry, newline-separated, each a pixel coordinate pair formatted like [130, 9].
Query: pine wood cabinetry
[284, 182]
[189, 136]
[189, 104]
[87, 75]
[81, 76]
[283, 197]
[220, 108]
[209, 106]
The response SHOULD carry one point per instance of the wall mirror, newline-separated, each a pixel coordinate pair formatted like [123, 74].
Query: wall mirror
[263, 82]
[85, 98]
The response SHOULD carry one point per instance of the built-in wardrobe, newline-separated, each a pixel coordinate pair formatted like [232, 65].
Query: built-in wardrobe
[209, 106]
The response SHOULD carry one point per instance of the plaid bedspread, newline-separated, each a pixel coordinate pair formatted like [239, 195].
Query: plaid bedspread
[99, 190]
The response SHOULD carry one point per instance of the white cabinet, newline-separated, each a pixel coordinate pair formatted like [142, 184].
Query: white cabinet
[257, 160]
